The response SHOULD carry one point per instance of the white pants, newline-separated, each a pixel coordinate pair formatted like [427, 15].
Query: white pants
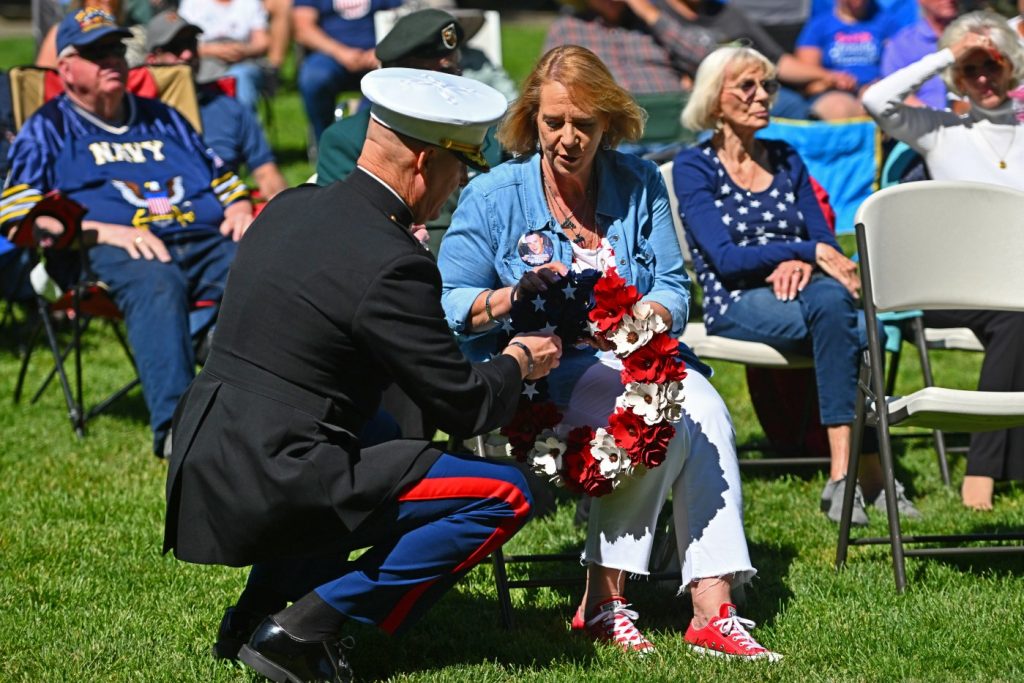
[700, 470]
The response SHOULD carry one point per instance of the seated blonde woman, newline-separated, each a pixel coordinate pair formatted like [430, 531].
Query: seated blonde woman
[572, 201]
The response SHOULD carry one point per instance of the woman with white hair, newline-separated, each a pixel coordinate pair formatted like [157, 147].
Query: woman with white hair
[981, 58]
[771, 269]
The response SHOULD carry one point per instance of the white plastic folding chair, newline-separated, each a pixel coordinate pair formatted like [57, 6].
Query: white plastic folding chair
[934, 245]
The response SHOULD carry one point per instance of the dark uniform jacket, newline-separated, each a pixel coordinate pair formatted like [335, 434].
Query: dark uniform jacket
[330, 299]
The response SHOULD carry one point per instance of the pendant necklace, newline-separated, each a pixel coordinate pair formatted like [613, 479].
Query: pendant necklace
[567, 223]
[1002, 159]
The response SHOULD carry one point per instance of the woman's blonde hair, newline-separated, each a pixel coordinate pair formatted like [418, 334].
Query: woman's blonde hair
[701, 110]
[592, 88]
[995, 27]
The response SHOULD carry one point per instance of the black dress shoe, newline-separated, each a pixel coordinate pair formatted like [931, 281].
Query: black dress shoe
[235, 630]
[282, 658]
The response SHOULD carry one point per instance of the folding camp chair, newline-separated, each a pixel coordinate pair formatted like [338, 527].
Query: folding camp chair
[907, 237]
[32, 86]
[87, 299]
[80, 303]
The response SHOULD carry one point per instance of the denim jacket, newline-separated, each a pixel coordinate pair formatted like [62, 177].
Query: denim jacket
[480, 249]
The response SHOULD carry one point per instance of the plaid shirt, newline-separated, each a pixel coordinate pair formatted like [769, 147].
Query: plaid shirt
[643, 60]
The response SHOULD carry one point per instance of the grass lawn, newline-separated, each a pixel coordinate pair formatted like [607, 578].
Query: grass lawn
[85, 594]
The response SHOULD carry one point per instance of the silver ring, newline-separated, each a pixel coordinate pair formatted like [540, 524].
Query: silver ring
[138, 240]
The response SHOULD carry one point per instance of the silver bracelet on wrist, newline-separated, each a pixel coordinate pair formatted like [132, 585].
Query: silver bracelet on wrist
[529, 355]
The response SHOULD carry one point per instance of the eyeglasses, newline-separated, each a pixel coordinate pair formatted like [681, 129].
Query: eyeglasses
[748, 87]
[179, 45]
[990, 67]
[101, 52]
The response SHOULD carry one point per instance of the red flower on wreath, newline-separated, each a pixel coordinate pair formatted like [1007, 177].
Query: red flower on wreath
[592, 481]
[529, 420]
[574, 460]
[654, 363]
[646, 444]
[613, 298]
[582, 471]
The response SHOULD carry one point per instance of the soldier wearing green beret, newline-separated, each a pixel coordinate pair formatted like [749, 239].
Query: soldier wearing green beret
[427, 39]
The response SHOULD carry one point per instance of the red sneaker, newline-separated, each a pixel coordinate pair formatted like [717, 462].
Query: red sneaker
[727, 636]
[614, 624]
[578, 623]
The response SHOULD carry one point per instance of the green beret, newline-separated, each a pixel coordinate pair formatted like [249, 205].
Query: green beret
[425, 33]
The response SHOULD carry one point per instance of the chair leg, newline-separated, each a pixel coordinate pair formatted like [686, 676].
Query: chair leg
[76, 336]
[498, 557]
[926, 370]
[891, 505]
[894, 368]
[74, 409]
[20, 385]
[842, 547]
[45, 384]
[501, 585]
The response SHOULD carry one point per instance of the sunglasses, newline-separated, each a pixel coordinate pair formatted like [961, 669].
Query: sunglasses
[748, 87]
[990, 67]
[179, 45]
[99, 53]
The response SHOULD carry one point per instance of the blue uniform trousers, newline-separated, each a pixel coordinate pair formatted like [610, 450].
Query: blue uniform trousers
[419, 545]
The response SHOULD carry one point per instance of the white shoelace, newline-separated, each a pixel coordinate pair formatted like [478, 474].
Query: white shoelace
[735, 627]
[617, 624]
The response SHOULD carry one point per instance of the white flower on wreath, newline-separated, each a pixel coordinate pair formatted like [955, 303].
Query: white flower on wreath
[546, 456]
[611, 459]
[653, 402]
[672, 401]
[643, 313]
[636, 329]
[629, 335]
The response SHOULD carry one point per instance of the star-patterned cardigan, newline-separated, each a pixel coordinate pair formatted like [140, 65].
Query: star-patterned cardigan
[737, 236]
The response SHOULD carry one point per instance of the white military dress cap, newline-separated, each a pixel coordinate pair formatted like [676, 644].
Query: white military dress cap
[448, 111]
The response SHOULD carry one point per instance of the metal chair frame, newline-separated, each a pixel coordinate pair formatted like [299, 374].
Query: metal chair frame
[873, 407]
[70, 214]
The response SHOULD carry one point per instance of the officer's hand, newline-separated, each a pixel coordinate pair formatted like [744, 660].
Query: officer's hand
[138, 243]
[545, 349]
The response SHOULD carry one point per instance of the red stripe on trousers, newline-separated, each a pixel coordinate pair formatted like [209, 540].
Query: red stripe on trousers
[460, 487]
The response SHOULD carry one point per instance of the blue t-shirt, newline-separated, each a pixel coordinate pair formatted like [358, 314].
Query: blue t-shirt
[232, 131]
[349, 21]
[853, 48]
[153, 172]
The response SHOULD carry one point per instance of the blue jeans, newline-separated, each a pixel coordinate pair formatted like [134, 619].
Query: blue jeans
[248, 81]
[14, 270]
[822, 320]
[155, 298]
[320, 81]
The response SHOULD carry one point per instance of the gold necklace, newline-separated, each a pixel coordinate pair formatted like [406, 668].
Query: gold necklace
[1001, 159]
